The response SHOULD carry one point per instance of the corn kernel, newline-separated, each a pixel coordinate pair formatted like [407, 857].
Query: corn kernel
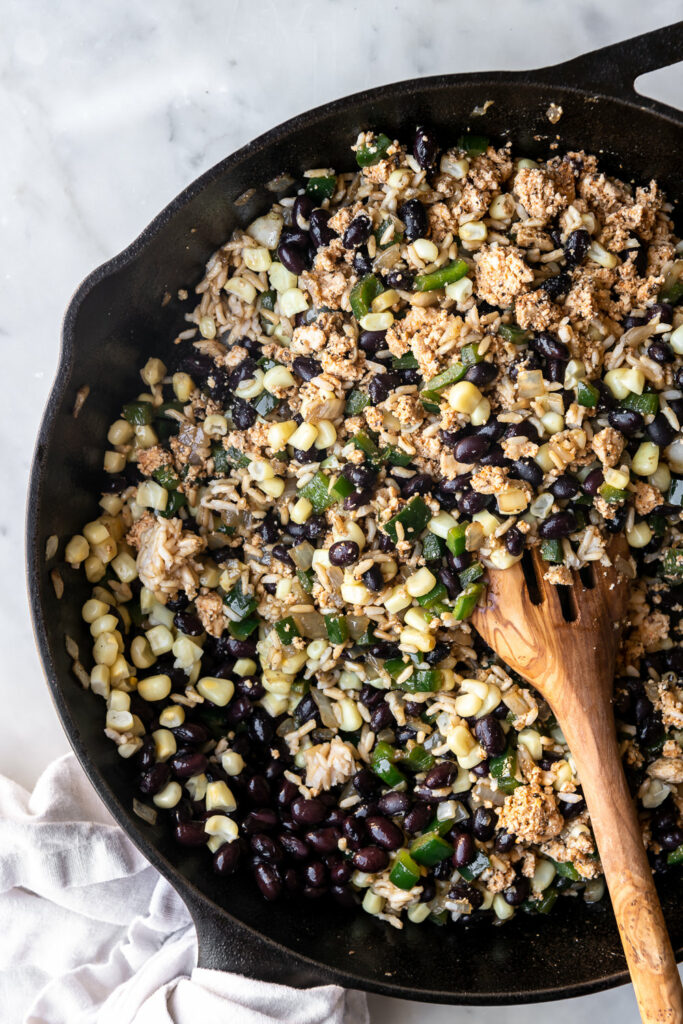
[347, 714]
[118, 700]
[420, 583]
[481, 413]
[441, 523]
[257, 258]
[280, 433]
[153, 372]
[152, 495]
[77, 550]
[416, 618]
[473, 231]
[398, 600]
[106, 623]
[242, 288]
[426, 250]
[304, 437]
[274, 488]
[93, 610]
[415, 638]
[464, 397]
[219, 797]
[513, 501]
[260, 469]
[327, 434]
[646, 459]
[183, 386]
[251, 387]
[278, 377]
[301, 511]
[232, 762]
[99, 680]
[355, 593]
[95, 569]
[377, 321]
[125, 567]
[105, 649]
[280, 278]
[467, 705]
[502, 207]
[172, 716]
[119, 721]
[120, 432]
[215, 425]
[385, 300]
[459, 291]
[218, 691]
[169, 796]
[461, 741]
[639, 536]
[164, 744]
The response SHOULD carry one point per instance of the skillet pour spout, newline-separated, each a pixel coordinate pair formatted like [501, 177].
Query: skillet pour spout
[126, 303]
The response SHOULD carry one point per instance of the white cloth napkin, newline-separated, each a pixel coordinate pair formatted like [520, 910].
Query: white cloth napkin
[90, 932]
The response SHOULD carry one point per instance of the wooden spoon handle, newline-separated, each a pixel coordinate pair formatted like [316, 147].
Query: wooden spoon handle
[593, 743]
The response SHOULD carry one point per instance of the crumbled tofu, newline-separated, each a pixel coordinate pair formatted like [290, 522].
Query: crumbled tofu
[502, 274]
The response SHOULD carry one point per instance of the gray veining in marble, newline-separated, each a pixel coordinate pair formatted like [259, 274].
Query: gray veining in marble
[107, 110]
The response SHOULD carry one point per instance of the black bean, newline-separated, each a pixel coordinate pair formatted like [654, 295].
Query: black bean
[593, 482]
[414, 216]
[555, 370]
[549, 346]
[489, 732]
[307, 367]
[660, 431]
[481, 374]
[258, 791]
[672, 838]
[373, 579]
[504, 842]
[381, 386]
[529, 470]
[401, 279]
[243, 371]
[516, 893]
[664, 310]
[190, 833]
[191, 732]
[361, 476]
[420, 483]
[418, 818]
[523, 429]
[483, 823]
[514, 541]
[569, 811]
[481, 770]
[472, 502]
[301, 211]
[266, 847]
[385, 833]
[270, 528]
[557, 286]
[178, 603]
[382, 717]
[428, 890]
[243, 415]
[464, 850]
[323, 840]
[287, 792]
[425, 148]
[282, 555]
[465, 891]
[362, 263]
[678, 379]
[525, 361]
[344, 552]
[321, 234]
[315, 874]
[394, 803]
[185, 764]
[340, 870]
[441, 775]
[370, 859]
[576, 246]
[307, 812]
[561, 524]
[661, 352]
[316, 527]
[198, 365]
[650, 731]
[188, 623]
[471, 448]
[492, 430]
[358, 232]
[155, 779]
[260, 727]
[565, 487]
[440, 651]
[354, 831]
[226, 858]
[371, 342]
[268, 881]
[626, 421]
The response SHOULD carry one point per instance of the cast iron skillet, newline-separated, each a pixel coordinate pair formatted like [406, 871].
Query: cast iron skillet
[125, 311]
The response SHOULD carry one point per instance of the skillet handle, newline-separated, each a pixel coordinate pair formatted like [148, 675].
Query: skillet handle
[613, 69]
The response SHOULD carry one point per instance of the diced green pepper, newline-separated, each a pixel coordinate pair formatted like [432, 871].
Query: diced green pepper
[466, 602]
[341, 488]
[317, 491]
[474, 145]
[613, 494]
[321, 187]
[394, 666]
[675, 495]
[469, 355]
[226, 459]
[547, 901]
[413, 518]
[676, 856]
[395, 457]
[404, 362]
[405, 873]
[430, 406]
[439, 919]
[365, 443]
[456, 539]
[673, 292]
[366, 156]
[647, 404]
[566, 869]
[396, 236]
[418, 759]
[430, 848]
[265, 403]
[672, 563]
[268, 300]
[435, 595]
[432, 548]
[657, 524]
[337, 628]
[475, 867]
[383, 757]
[452, 375]
[165, 476]
[175, 502]
[139, 414]
[473, 572]
[161, 410]
[551, 551]
[363, 294]
[440, 278]
[305, 578]
[503, 768]
[266, 364]
[423, 680]
[586, 394]
[286, 630]
[239, 603]
[513, 333]
[356, 402]
[242, 630]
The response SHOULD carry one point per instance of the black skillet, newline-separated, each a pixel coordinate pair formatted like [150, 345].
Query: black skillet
[127, 310]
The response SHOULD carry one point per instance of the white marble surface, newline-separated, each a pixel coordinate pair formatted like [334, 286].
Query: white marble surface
[106, 111]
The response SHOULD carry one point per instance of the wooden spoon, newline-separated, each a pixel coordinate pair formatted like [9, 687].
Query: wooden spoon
[571, 663]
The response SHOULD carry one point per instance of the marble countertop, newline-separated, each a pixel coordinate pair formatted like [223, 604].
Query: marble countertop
[107, 111]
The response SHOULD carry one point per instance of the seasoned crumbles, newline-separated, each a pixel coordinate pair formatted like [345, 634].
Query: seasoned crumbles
[392, 381]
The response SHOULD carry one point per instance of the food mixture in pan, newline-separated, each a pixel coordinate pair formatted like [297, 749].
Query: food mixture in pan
[393, 380]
